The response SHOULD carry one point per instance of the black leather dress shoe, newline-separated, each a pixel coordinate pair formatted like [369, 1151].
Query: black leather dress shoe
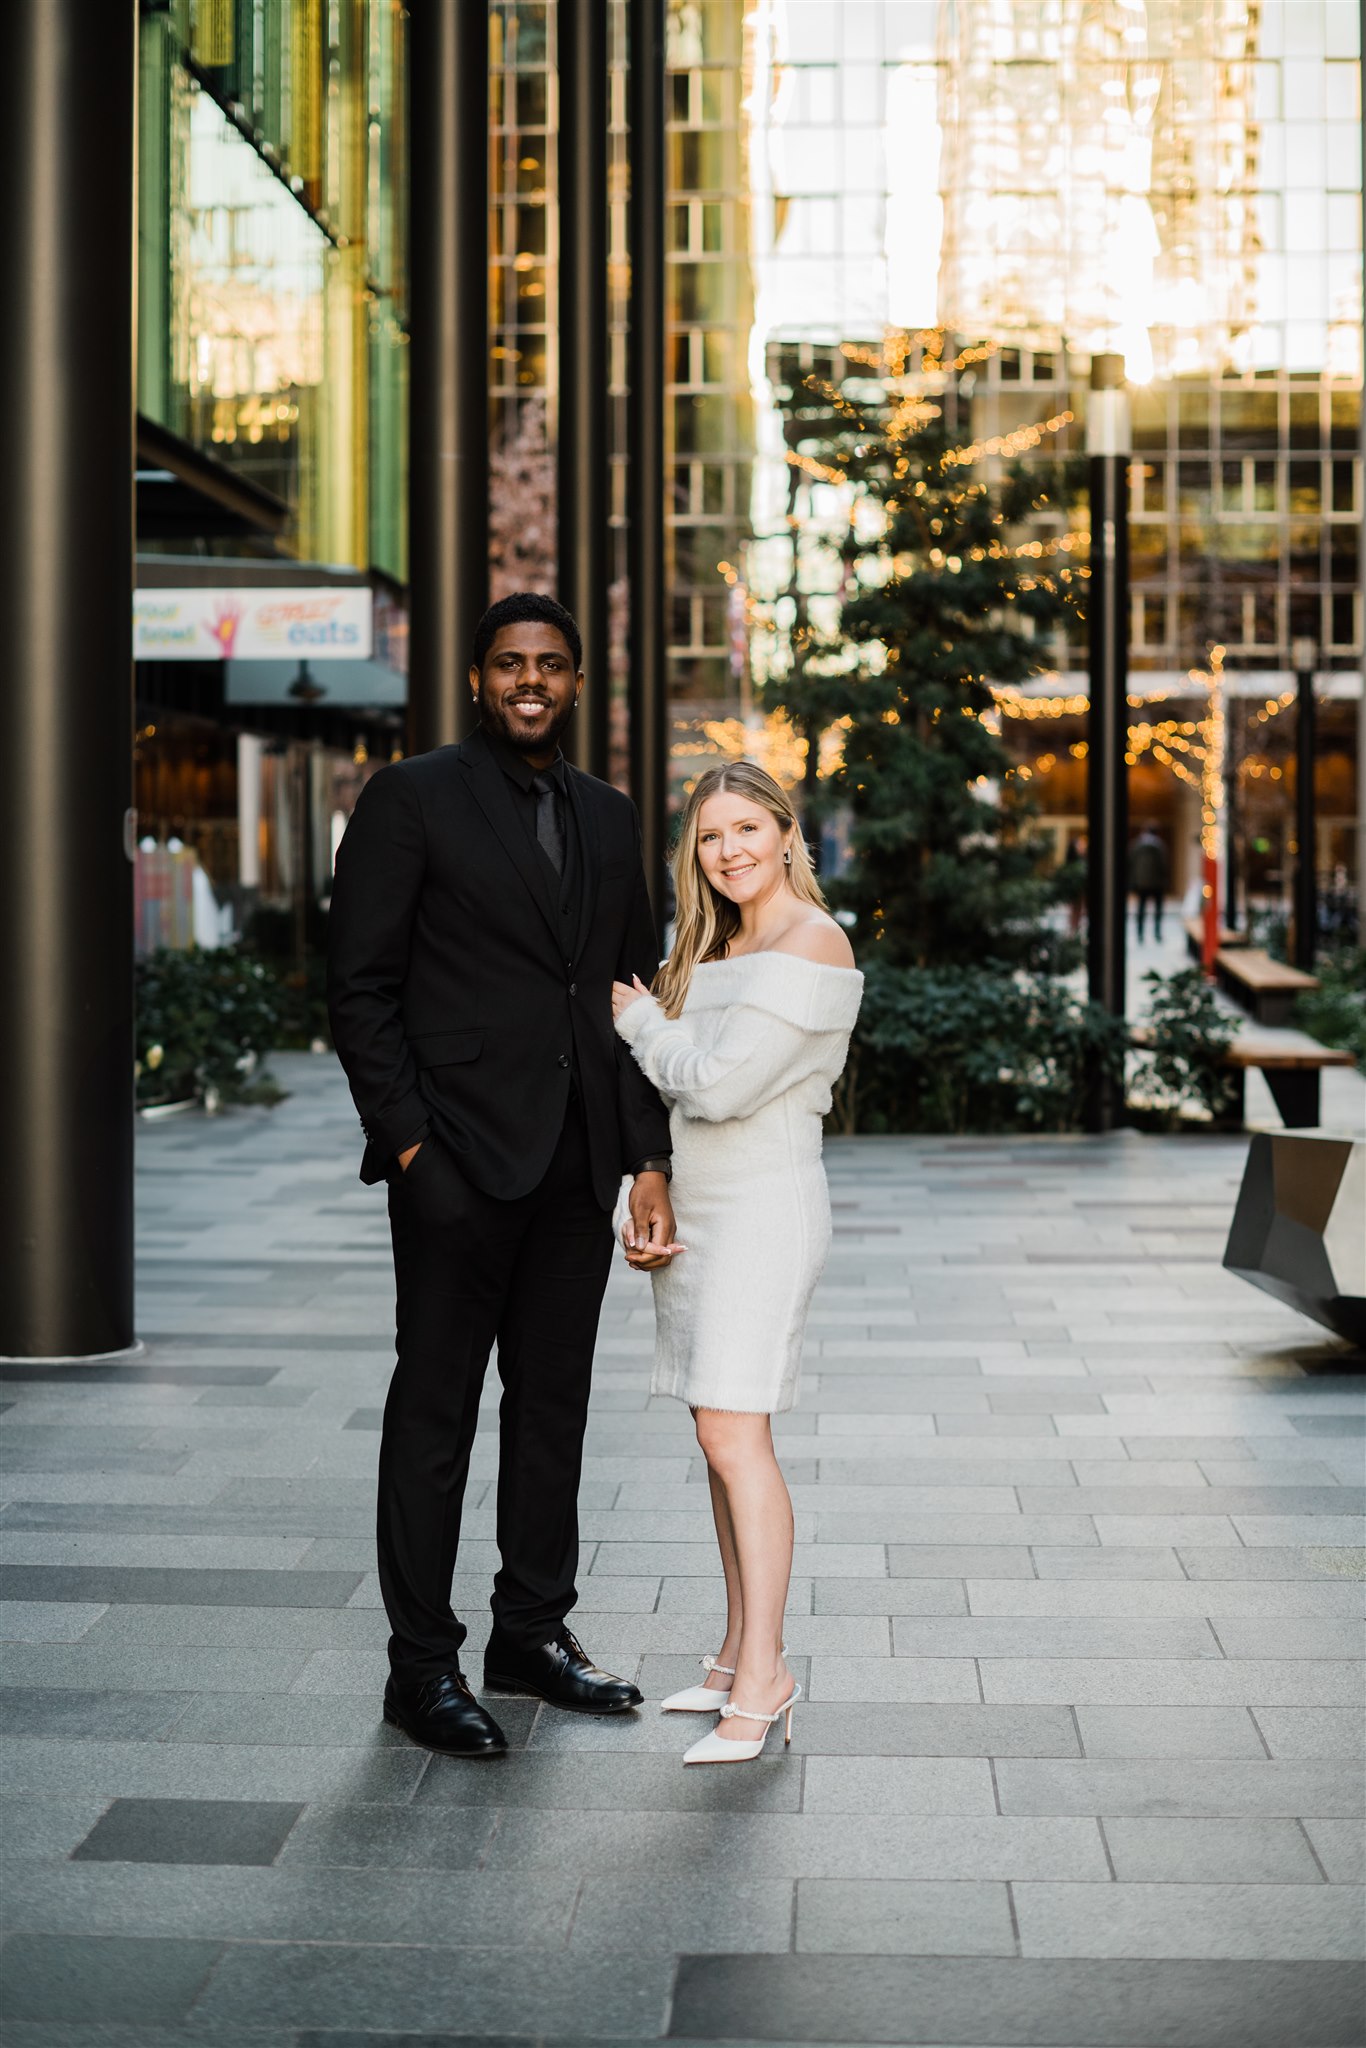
[442, 1713]
[558, 1671]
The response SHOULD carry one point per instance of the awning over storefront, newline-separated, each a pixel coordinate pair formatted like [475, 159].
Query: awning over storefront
[362, 685]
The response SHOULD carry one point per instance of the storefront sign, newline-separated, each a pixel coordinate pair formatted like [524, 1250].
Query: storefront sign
[251, 625]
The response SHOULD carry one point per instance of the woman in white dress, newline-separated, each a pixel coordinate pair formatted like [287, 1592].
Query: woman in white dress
[745, 1034]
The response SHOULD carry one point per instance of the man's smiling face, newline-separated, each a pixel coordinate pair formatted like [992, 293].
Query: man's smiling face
[528, 689]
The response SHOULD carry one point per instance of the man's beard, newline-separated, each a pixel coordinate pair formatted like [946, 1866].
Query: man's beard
[493, 719]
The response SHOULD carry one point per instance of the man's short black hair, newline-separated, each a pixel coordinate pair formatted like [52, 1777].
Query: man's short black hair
[522, 607]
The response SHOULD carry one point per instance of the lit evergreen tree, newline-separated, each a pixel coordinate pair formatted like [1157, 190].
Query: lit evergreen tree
[946, 594]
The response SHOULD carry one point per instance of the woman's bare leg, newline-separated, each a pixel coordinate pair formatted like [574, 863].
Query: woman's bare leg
[743, 1466]
[725, 1543]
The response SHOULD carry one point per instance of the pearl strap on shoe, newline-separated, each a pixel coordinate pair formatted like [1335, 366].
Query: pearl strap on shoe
[710, 1664]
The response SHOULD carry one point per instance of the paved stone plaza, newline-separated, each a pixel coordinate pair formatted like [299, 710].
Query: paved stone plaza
[1076, 1606]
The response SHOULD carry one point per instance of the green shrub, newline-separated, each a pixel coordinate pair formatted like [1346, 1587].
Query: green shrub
[1186, 1034]
[972, 1049]
[1335, 1013]
[273, 936]
[205, 1020]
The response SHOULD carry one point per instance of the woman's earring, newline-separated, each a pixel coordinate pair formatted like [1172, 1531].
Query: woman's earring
[787, 857]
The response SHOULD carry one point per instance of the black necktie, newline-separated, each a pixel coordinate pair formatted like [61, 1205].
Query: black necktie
[549, 831]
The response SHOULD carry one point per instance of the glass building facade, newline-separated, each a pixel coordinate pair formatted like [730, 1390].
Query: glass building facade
[271, 233]
[1175, 180]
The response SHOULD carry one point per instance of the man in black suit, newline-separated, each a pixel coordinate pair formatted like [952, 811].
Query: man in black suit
[486, 897]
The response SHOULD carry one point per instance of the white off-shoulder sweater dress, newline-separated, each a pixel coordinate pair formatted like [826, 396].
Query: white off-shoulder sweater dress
[747, 1069]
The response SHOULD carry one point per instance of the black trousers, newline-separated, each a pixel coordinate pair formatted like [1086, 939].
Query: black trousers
[470, 1270]
[1149, 898]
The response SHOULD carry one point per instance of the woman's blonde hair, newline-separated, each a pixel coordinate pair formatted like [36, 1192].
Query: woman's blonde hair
[706, 922]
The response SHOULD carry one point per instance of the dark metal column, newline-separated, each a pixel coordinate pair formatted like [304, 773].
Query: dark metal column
[67, 188]
[1304, 654]
[1107, 785]
[649, 678]
[583, 428]
[448, 462]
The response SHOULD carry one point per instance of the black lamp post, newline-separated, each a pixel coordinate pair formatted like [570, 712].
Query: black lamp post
[1107, 780]
[1304, 656]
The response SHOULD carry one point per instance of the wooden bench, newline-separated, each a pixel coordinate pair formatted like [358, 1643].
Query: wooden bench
[1194, 928]
[1293, 1063]
[1292, 1071]
[1266, 988]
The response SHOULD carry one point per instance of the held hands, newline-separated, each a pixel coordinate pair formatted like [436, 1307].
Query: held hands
[648, 1234]
[623, 995]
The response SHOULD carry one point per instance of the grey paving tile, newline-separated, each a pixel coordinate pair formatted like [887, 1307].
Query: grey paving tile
[368, 1837]
[405, 1988]
[1254, 1923]
[190, 1831]
[1052, 1636]
[136, 1667]
[1170, 1682]
[1275, 1530]
[920, 2002]
[1210, 1851]
[912, 1680]
[1142, 1787]
[1232, 1599]
[37, 1621]
[988, 1530]
[1168, 1732]
[186, 1770]
[1338, 1732]
[608, 1781]
[95, 1978]
[45, 1830]
[85, 1547]
[431, 1908]
[1285, 1637]
[903, 1595]
[803, 1845]
[1113, 1562]
[1340, 1846]
[960, 1560]
[1311, 1561]
[1134, 1500]
[686, 1911]
[296, 1720]
[904, 1917]
[105, 1716]
[898, 1784]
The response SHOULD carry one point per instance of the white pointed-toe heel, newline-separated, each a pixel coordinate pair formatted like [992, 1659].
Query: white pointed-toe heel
[714, 1749]
[700, 1699]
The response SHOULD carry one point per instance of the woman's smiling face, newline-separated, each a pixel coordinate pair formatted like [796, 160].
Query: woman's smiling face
[740, 847]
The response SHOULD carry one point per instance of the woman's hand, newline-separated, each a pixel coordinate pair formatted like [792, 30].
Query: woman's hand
[624, 994]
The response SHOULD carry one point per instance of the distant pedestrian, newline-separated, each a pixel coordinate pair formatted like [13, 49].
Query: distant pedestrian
[1149, 874]
[1070, 881]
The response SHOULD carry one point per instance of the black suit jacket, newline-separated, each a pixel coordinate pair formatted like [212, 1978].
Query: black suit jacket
[451, 999]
